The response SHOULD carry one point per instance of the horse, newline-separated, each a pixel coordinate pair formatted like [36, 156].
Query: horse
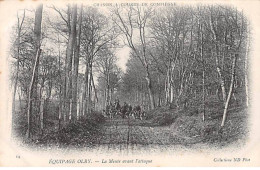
[137, 112]
[129, 111]
[117, 107]
[123, 110]
[142, 115]
[112, 111]
[107, 111]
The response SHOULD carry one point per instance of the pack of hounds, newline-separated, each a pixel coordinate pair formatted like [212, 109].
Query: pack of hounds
[126, 111]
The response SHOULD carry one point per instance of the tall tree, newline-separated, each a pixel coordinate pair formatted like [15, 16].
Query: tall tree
[69, 57]
[37, 34]
[18, 41]
[76, 65]
[137, 18]
[97, 35]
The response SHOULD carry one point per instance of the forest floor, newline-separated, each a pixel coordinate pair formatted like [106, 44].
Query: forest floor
[135, 135]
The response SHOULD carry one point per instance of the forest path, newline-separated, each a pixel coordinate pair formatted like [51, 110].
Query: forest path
[132, 135]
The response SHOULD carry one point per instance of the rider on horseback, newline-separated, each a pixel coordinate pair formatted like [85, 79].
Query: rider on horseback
[129, 111]
[124, 110]
[117, 105]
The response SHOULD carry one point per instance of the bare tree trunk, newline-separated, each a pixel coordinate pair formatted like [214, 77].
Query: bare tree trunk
[246, 70]
[85, 89]
[42, 115]
[69, 53]
[19, 28]
[108, 87]
[230, 90]
[20, 99]
[148, 79]
[149, 84]
[222, 82]
[168, 85]
[203, 71]
[65, 102]
[203, 84]
[60, 88]
[60, 113]
[37, 41]
[89, 89]
[76, 66]
[104, 100]
[29, 108]
[78, 109]
[159, 93]
[82, 103]
[93, 85]
[37, 33]
[171, 91]
[171, 85]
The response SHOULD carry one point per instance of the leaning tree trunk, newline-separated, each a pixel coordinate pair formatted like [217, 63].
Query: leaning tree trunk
[37, 41]
[222, 82]
[37, 33]
[230, 90]
[29, 108]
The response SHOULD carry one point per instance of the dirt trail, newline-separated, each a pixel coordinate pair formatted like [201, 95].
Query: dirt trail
[131, 135]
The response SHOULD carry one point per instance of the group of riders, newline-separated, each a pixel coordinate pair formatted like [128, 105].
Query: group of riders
[125, 111]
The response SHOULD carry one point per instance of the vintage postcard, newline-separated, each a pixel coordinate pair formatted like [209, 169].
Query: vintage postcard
[129, 83]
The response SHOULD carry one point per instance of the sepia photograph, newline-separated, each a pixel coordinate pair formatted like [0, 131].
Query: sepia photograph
[129, 83]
